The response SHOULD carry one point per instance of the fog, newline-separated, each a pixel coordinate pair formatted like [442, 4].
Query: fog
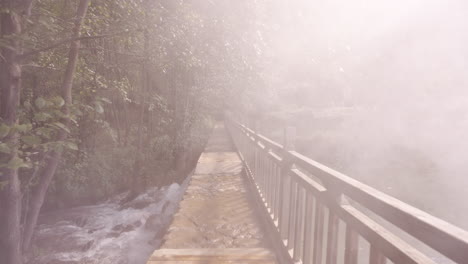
[377, 89]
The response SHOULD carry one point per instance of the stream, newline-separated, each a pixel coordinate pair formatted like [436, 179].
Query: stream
[113, 231]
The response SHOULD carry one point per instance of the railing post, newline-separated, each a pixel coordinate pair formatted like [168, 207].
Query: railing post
[289, 136]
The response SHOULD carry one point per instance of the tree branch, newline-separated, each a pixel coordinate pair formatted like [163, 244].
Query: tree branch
[28, 7]
[65, 41]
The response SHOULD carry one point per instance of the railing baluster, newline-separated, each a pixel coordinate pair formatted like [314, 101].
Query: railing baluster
[292, 212]
[276, 196]
[273, 186]
[260, 172]
[299, 225]
[267, 180]
[284, 204]
[318, 232]
[265, 176]
[376, 257]
[270, 182]
[332, 240]
[351, 246]
[286, 165]
[256, 162]
[308, 242]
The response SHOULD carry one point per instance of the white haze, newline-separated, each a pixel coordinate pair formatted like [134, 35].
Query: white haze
[400, 69]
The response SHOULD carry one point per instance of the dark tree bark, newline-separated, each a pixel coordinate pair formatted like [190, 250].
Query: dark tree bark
[10, 82]
[10, 85]
[53, 158]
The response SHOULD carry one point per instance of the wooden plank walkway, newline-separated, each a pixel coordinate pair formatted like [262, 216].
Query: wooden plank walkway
[216, 221]
[214, 256]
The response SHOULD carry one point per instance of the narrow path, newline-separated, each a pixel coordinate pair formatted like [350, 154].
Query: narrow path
[216, 221]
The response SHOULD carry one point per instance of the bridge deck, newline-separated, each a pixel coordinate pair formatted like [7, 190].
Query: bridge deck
[216, 221]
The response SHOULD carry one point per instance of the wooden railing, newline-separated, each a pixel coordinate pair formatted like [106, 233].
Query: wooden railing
[323, 216]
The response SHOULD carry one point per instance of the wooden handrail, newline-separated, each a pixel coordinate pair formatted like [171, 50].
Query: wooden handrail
[296, 189]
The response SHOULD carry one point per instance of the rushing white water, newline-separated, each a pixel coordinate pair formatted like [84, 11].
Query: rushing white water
[110, 232]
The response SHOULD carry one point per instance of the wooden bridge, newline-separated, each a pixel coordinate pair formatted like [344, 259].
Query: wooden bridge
[252, 200]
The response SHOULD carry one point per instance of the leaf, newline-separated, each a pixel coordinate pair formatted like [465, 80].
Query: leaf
[59, 114]
[23, 127]
[27, 105]
[3, 184]
[41, 116]
[16, 163]
[105, 100]
[98, 107]
[56, 146]
[70, 145]
[4, 130]
[76, 112]
[61, 126]
[4, 148]
[44, 132]
[74, 121]
[31, 140]
[58, 101]
[40, 102]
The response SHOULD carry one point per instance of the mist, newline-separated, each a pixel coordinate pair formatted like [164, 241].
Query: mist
[109, 107]
[378, 90]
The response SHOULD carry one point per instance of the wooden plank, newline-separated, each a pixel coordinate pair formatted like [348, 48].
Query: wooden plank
[213, 253]
[276, 159]
[392, 246]
[308, 183]
[444, 237]
[204, 261]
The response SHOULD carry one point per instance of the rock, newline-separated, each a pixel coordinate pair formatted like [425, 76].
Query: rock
[80, 221]
[54, 241]
[154, 222]
[141, 201]
[136, 204]
[87, 246]
[118, 227]
[113, 234]
[126, 228]
[165, 206]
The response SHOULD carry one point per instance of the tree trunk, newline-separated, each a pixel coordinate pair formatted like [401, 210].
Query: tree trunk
[10, 85]
[53, 158]
[138, 178]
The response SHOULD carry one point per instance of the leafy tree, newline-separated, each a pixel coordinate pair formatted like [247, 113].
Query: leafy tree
[103, 96]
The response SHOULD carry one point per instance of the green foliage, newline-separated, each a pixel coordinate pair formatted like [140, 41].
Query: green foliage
[157, 74]
[14, 163]
[4, 130]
